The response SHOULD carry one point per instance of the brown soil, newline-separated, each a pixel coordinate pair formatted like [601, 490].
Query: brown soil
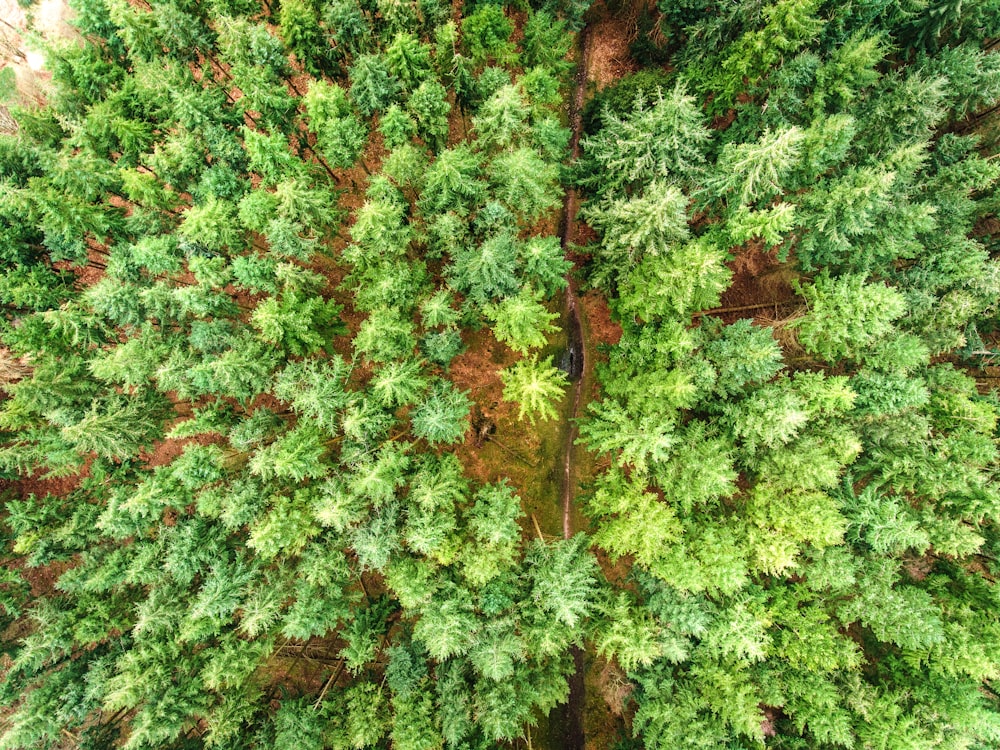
[608, 57]
[165, 451]
[615, 687]
[760, 282]
[603, 330]
[39, 487]
[303, 668]
[499, 445]
[477, 371]
[43, 578]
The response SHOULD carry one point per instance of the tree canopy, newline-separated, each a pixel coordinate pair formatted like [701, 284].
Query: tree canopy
[281, 282]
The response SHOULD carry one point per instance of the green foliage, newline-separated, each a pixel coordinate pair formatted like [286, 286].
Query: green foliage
[743, 355]
[397, 126]
[301, 32]
[633, 521]
[769, 479]
[373, 89]
[443, 415]
[525, 182]
[115, 427]
[429, 107]
[452, 183]
[847, 315]
[398, 384]
[302, 325]
[385, 336]
[683, 280]
[235, 364]
[545, 40]
[502, 119]
[534, 385]
[660, 140]
[521, 322]
[751, 173]
[642, 226]
[493, 518]
[544, 263]
[212, 226]
[563, 578]
[486, 35]
[487, 272]
[409, 61]
[340, 135]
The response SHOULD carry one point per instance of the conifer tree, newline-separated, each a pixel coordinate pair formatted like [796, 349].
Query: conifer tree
[533, 385]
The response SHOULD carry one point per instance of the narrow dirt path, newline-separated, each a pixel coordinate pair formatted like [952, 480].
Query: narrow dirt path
[577, 346]
[574, 736]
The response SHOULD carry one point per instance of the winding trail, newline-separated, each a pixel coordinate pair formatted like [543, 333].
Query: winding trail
[573, 738]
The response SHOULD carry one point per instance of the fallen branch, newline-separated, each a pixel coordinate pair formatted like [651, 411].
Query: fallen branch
[512, 453]
[742, 308]
[333, 679]
[538, 529]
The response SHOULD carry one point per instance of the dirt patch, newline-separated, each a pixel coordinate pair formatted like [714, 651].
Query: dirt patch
[761, 286]
[918, 568]
[608, 56]
[583, 236]
[166, 451]
[43, 578]
[603, 331]
[40, 487]
[615, 687]
[51, 18]
[13, 369]
[607, 712]
[303, 669]
[477, 370]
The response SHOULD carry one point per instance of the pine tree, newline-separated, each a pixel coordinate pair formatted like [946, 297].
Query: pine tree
[562, 578]
[340, 135]
[525, 182]
[664, 139]
[301, 32]
[116, 428]
[212, 226]
[443, 416]
[429, 107]
[691, 278]
[348, 25]
[502, 119]
[397, 127]
[409, 60]
[486, 34]
[521, 322]
[373, 89]
[847, 315]
[754, 172]
[545, 41]
[533, 385]
[452, 183]
[487, 272]
[641, 226]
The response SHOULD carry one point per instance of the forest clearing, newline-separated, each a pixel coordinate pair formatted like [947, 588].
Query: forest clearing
[426, 374]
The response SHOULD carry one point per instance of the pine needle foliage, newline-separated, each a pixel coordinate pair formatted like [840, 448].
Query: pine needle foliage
[534, 385]
[243, 245]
